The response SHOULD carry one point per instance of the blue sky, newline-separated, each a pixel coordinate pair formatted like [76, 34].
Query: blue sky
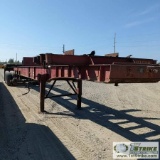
[31, 27]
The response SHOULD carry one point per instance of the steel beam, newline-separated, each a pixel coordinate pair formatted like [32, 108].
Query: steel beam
[79, 93]
[42, 80]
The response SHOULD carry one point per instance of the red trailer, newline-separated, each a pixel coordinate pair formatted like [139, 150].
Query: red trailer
[75, 68]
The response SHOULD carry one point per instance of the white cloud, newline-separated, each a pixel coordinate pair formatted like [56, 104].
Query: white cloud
[147, 10]
[136, 23]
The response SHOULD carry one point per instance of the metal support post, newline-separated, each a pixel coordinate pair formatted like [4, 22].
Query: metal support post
[79, 93]
[42, 91]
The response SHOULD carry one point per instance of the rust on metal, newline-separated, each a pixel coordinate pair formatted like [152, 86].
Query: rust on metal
[93, 68]
[112, 55]
[69, 52]
[75, 68]
[42, 80]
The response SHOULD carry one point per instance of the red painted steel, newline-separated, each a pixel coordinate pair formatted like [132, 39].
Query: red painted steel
[52, 59]
[47, 67]
[28, 61]
[93, 68]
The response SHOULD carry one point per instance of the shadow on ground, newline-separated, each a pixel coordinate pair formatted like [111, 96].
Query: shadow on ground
[25, 141]
[110, 118]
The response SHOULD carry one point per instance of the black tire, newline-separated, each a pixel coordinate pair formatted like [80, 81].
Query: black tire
[8, 78]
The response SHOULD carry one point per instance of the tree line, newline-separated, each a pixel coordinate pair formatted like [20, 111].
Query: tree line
[11, 61]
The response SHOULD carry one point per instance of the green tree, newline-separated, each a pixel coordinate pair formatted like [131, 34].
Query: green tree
[11, 61]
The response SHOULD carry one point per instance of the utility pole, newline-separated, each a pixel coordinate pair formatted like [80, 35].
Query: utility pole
[63, 48]
[16, 57]
[114, 43]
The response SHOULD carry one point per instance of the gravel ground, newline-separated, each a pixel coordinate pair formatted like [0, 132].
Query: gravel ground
[129, 112]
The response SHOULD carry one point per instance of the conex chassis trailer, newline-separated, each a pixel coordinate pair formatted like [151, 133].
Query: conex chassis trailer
[75, 68]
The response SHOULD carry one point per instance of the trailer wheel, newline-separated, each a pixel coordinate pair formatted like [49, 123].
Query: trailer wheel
[8, 78]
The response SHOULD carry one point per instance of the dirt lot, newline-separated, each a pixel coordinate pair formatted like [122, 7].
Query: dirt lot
[129, 112]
